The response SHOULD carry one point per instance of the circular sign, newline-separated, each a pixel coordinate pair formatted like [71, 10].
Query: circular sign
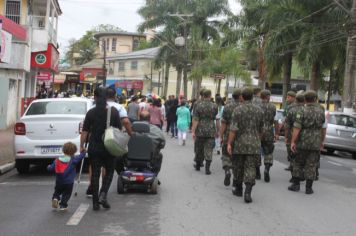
[40, 59]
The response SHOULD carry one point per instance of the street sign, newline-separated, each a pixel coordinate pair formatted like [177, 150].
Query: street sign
[217, 76]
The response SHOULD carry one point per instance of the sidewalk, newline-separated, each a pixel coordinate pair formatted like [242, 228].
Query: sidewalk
[6, 147]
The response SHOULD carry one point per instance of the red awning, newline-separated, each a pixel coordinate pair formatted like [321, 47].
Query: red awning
[16, 30]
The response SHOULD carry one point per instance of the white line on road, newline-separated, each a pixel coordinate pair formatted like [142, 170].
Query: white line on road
[78, 214]
[335, 163]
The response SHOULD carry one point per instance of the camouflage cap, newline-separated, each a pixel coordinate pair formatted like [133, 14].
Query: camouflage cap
[201, 92]
[300, 96]
[207, 93]
[236, 93]
[310, 95]
[265, 93]
[256, 90]
[247, 93]
[291, 94]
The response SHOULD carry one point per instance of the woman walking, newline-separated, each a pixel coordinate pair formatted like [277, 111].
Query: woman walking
[156, 113]
[95, 124]
[183, 122]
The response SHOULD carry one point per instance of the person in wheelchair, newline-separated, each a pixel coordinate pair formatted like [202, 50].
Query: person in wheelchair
[158, 141]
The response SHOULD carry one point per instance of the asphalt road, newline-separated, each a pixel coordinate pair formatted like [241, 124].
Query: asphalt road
[188, 203]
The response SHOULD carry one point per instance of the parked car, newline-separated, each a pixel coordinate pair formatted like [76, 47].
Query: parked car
[340, 133]
[46, 125]
[280, 117]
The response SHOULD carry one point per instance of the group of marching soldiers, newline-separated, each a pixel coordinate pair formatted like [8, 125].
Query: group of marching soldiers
[248, 132]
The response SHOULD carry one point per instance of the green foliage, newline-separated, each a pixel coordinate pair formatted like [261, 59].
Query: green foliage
[83, 50]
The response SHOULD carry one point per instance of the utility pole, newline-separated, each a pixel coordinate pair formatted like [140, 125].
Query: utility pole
[104, 63]
[350, 70]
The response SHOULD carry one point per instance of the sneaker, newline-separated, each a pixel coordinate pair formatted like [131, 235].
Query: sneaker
[218, 152]
[63, 208]
[55, 203]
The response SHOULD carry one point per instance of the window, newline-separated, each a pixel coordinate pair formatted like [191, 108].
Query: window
[134, 65]
[342, 120]
[135, 43]
[121, 66]
[107, 44]
[54, 108]
[13, 10]
[113, 45]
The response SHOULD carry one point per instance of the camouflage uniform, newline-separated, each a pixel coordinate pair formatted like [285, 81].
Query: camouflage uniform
[258, 102]
[247, 122]
[293, 110]
[267, 141]
[226, 118]
[310, 121]
[205, 113]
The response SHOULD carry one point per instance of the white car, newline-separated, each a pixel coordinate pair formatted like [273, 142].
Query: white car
[46, 125]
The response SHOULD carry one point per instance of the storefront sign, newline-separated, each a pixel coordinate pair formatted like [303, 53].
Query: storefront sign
[46, 59]
[17, 31]
[126, 84]
[5, 46]
[44, 75]
[90, 74]
[72, 78]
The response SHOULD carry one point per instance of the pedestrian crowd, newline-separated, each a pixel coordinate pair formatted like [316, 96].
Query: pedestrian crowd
[243, 131]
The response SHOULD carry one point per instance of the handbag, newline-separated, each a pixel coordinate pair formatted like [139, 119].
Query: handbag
[115, 141]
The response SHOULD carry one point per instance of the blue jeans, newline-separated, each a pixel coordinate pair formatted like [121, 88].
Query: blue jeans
[174, 129]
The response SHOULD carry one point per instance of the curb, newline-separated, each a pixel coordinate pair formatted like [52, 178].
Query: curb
[7, 167]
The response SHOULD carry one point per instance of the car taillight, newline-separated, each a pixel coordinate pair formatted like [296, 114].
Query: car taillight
[20, 128]
[80, 128]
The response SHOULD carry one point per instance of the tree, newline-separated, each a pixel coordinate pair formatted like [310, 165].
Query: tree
[83, 50]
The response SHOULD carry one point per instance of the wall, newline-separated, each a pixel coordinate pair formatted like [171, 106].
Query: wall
[24, 10]
[123, 44]
[12, 102]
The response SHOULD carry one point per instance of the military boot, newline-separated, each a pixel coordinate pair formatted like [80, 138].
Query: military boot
[317, 174]
[103, 200]
[197, 166]
[266, 173]
[248, 190]
[234, 183]
[227, 177]
[295, 187]
[258, 173]
[308, 187]
[207, 167]
[238, 191]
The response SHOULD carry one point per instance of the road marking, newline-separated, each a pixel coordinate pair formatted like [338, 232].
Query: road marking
[335, 163]
[78, 214]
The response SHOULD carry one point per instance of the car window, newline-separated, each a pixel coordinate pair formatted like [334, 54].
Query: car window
[57, 108]
[342, 120]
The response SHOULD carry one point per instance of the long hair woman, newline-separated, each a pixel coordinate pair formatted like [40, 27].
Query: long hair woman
[95, 124]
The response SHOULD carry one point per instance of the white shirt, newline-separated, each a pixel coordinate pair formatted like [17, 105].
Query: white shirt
[122, 111]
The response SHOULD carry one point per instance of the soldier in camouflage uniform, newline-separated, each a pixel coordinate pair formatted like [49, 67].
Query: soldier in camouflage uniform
[224, 133]
[291, 116]
[257, 101]
[290, 102]
[246, 129]
[307, 140]
[270, 132]
[201, 93]
[204, 131]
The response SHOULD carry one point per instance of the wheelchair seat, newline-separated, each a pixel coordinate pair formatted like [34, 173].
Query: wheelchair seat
[140, 145]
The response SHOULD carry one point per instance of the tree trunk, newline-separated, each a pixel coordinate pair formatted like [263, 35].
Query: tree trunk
[179, 81]
[196, 88]
[185, 82]
[315, 77]
[166, 79]
[329, 88]
[262, 69]
[287, 73]
[219, 87]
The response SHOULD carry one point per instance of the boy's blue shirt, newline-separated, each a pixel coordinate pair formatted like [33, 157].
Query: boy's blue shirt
[68, 176]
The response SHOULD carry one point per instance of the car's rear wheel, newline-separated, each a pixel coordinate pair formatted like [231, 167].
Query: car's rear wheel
[154, 186]
[22, 166]
[354, 155]
[330, 151]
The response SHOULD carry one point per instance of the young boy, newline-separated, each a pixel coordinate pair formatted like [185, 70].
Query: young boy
[65, 169]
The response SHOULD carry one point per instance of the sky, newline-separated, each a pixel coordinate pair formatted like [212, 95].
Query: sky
[81, 15]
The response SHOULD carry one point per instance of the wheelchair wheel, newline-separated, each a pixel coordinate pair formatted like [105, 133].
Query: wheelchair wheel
[154, 186]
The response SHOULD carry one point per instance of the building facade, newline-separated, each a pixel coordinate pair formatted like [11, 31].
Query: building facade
[28, 32]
